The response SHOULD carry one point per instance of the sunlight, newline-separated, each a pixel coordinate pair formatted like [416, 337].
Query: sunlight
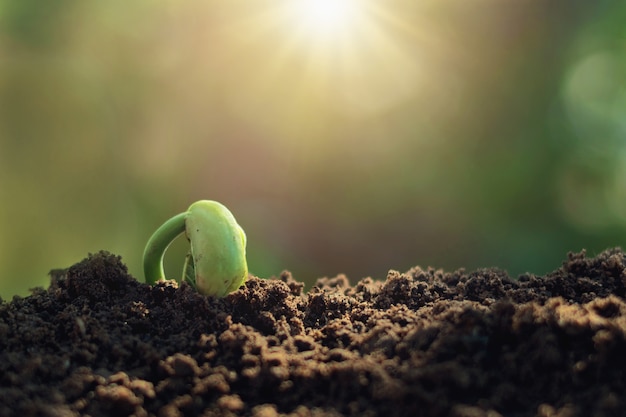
[353, 56]
[321, 18]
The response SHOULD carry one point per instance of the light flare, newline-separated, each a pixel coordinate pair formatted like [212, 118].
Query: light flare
[325, 18]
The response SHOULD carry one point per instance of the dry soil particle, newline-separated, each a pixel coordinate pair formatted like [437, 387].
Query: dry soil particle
[423, 343]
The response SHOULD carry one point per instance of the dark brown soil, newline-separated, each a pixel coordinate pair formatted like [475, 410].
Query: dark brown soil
[422, 343]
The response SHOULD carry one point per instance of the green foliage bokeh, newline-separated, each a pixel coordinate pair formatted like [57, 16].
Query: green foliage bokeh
[443, 134]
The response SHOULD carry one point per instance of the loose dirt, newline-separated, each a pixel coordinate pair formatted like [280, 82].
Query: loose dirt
[422, 343]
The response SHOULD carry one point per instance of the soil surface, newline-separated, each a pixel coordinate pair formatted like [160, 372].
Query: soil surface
[422, 343]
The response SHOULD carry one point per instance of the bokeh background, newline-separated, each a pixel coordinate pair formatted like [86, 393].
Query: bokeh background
[440, 133]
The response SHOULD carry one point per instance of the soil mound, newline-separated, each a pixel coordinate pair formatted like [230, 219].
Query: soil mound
[422, 343]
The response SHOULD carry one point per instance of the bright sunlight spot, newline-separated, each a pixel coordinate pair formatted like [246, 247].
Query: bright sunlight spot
[347, 53]
[321, 18]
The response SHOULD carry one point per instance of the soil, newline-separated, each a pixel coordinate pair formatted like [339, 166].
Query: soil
[422, 343]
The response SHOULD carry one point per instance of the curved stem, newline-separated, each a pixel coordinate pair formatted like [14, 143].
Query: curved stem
[157, 245]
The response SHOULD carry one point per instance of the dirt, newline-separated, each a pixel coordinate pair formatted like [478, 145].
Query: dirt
[422, 343]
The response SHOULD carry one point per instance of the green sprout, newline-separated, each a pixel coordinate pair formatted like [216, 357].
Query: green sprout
[216, 264]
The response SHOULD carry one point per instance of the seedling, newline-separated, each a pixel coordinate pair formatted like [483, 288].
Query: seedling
[216, 264]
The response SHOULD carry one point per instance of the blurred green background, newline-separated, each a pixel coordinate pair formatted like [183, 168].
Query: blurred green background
[440, 133]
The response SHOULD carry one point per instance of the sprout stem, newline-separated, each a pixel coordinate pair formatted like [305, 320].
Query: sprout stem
[157, 245]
